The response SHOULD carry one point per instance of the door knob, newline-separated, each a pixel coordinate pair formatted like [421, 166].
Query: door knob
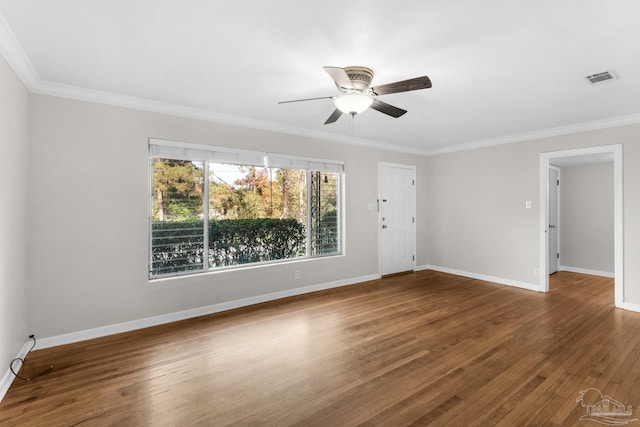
[384, 226]
[552, 226]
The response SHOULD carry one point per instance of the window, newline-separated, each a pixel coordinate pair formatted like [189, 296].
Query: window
[214, 208]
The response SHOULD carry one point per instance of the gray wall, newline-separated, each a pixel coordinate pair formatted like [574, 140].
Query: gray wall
[586, 218]
[477, 221]
[89, 214]
[14, 108]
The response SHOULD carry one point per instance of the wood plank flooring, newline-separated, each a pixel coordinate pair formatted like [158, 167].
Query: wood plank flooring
[424, 348]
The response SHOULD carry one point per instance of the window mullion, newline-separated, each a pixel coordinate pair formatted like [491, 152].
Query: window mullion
[309, 200]
[205, 219]
[339, 214]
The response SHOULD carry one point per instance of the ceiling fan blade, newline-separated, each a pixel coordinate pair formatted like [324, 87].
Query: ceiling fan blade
[403, 86]
[339, 75]
[306, 99]
[334, 116]
[387, 109]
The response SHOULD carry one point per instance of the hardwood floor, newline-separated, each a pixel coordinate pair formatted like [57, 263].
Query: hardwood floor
[425, 348]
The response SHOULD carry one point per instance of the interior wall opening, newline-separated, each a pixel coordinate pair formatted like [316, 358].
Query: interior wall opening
[557, 161]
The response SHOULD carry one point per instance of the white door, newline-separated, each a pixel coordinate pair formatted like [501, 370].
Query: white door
[396, 189]
[554, 220]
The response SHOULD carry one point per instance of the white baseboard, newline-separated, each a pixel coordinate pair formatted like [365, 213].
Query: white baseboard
[8, 377]
[586, 271]
[498, 280]
[631, 306]
[187, 314]
[625, 305]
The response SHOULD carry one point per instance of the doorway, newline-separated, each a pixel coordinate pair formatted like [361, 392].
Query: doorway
[546, 161]
[396, 218]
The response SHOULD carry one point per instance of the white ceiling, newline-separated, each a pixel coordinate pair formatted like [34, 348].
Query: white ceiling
[502, 70]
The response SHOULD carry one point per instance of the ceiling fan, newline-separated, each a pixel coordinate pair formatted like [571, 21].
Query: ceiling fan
[357, 94]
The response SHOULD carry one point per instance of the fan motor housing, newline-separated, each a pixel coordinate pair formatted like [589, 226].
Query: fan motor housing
[360, 78]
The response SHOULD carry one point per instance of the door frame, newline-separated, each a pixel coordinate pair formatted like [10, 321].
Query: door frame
[379, 222]
[558, 241]
[618, 205]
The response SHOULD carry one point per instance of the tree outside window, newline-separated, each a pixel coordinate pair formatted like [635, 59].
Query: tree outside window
[253, 214]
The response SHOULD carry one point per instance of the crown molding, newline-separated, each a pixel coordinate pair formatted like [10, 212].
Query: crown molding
[543, 133]
[108, 98]
[117, 100]
[15, 56]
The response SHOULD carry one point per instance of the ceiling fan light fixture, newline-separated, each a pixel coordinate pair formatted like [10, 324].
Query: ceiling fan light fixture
[353, 103]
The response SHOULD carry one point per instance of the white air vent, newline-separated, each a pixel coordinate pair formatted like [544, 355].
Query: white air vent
[605, 76]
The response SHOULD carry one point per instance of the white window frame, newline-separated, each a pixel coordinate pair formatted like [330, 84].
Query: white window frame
[159, 148]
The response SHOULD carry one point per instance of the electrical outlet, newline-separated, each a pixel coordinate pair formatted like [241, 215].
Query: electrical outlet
[536, 272]
[296, 274]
